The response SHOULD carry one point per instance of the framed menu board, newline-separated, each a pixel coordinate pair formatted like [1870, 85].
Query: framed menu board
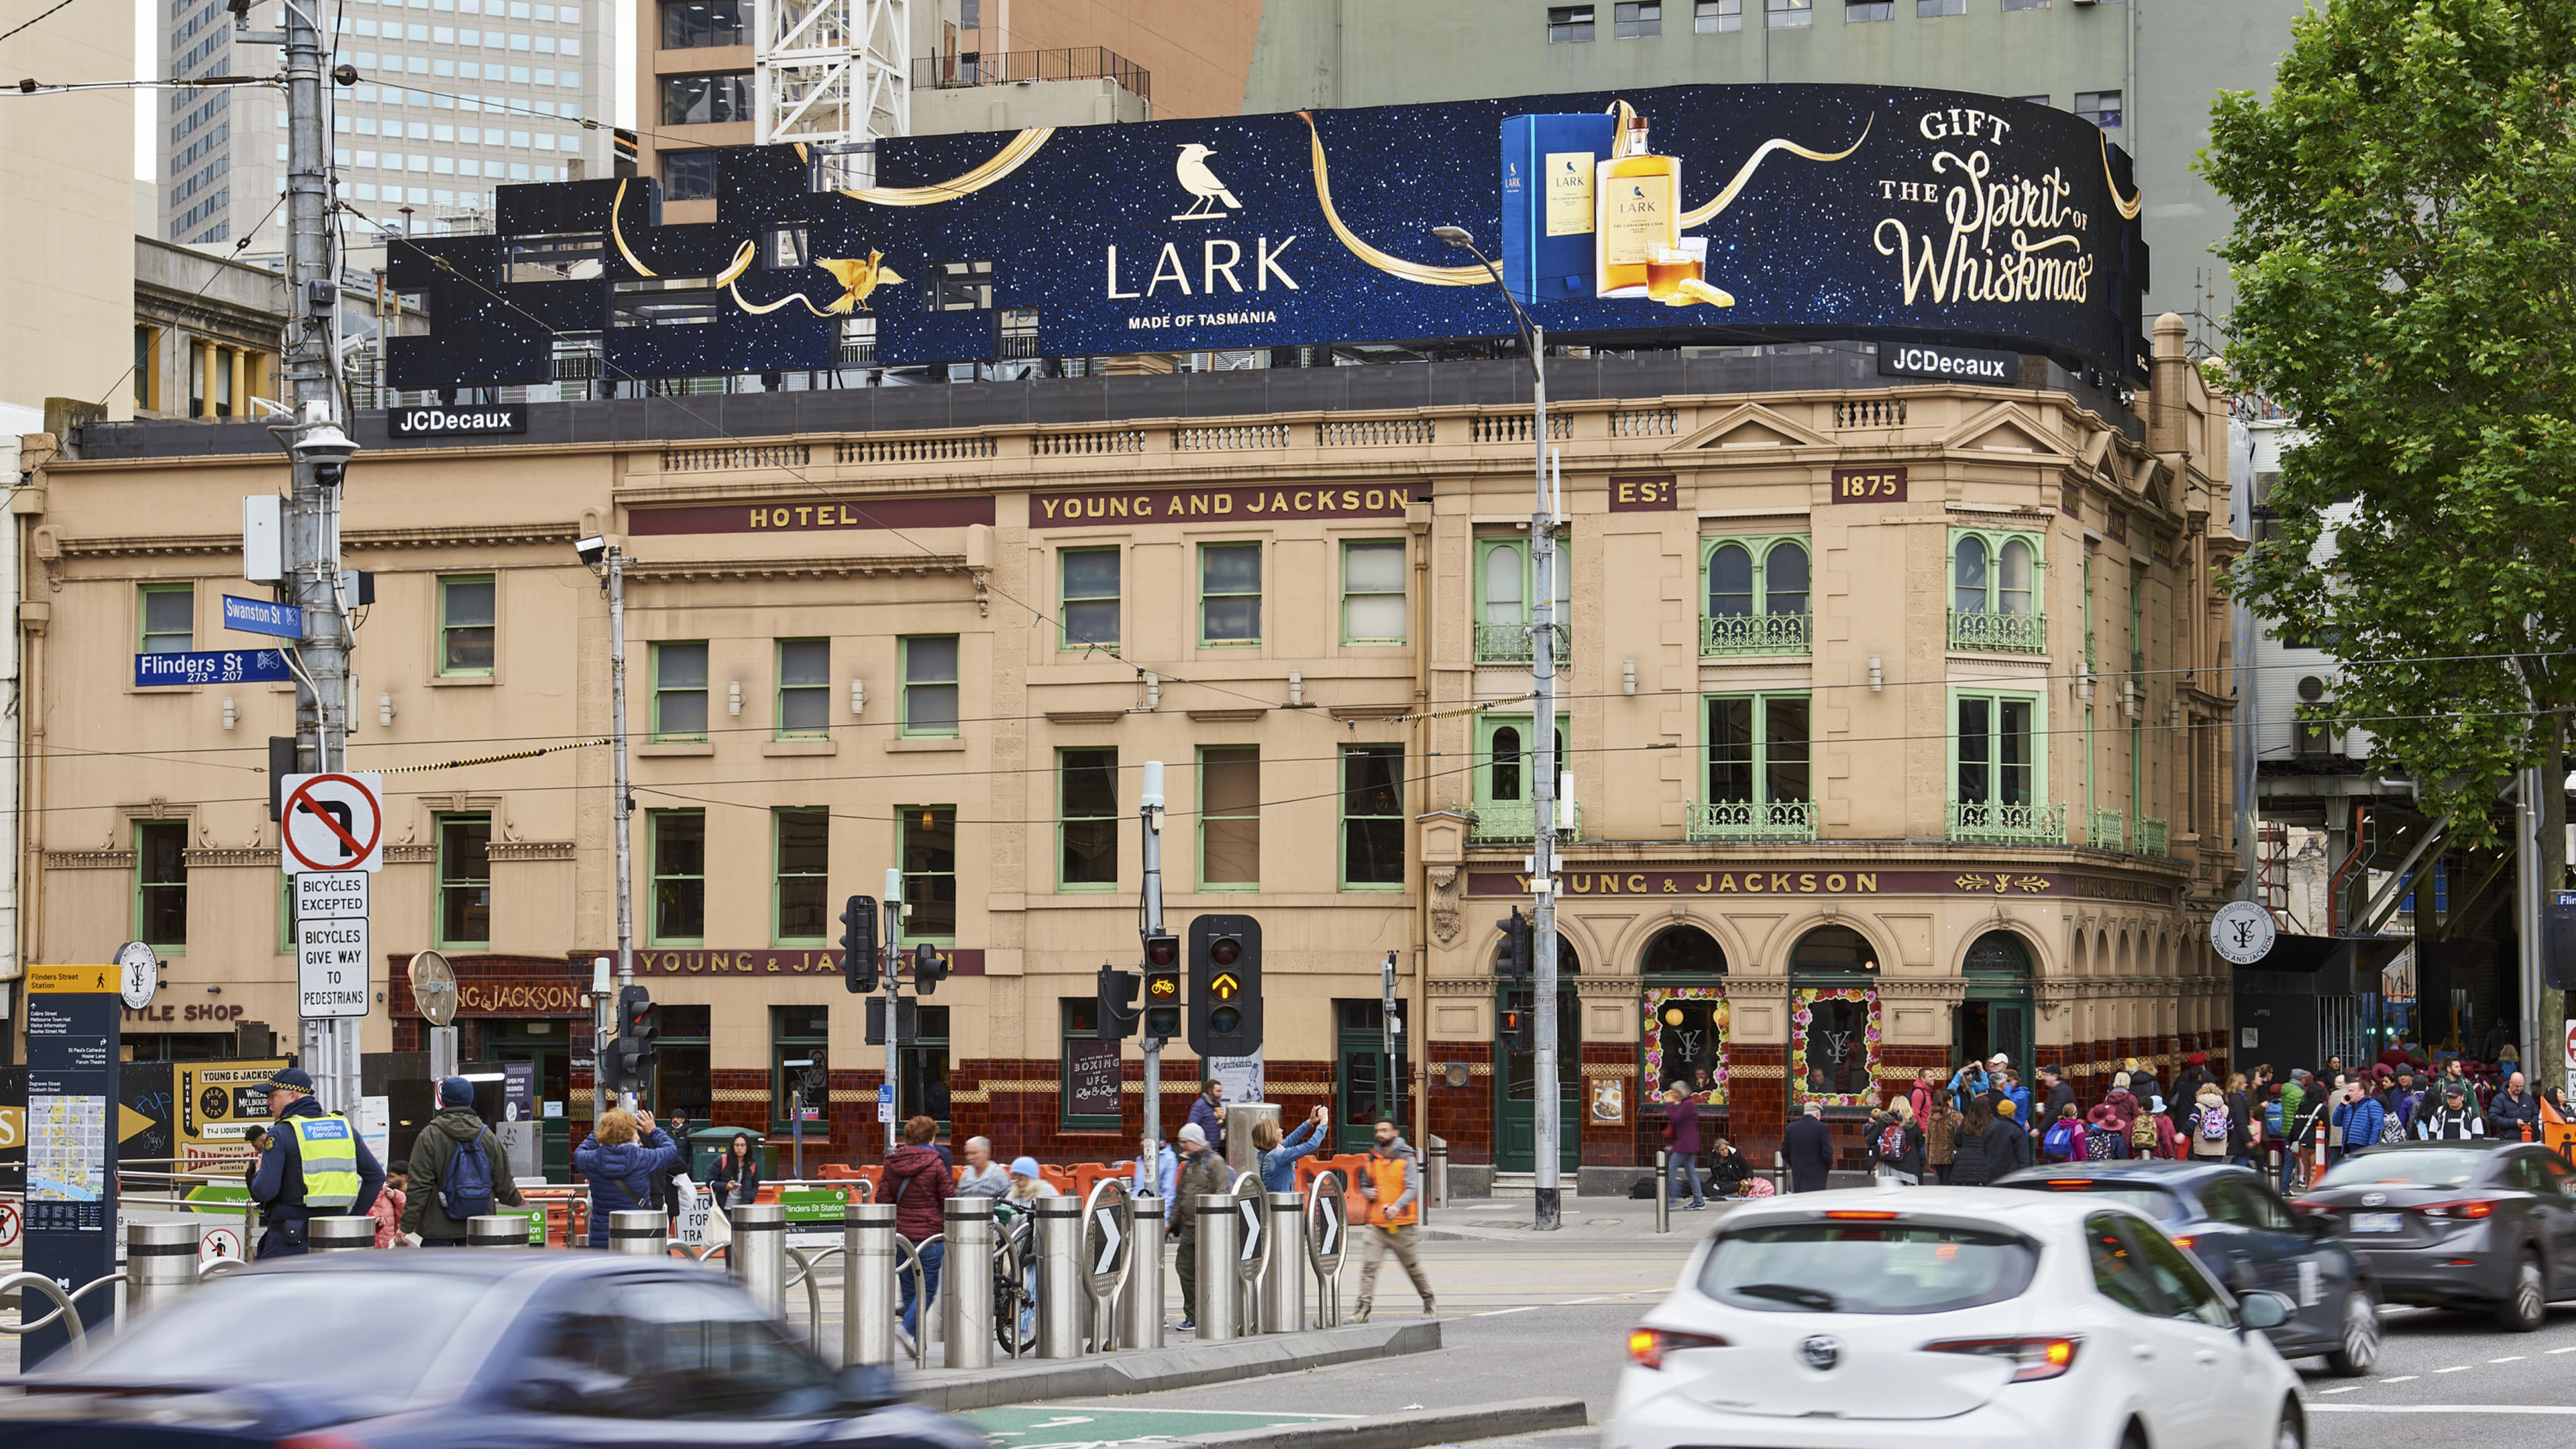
[1090, 1091]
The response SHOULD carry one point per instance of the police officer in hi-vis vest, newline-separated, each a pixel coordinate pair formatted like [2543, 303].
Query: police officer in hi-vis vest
[314, 1165]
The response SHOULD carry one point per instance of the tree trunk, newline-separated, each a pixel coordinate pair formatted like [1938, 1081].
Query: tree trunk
[2548, 1061]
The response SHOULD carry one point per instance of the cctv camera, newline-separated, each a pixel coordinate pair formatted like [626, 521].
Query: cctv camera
[592, 549]
[328, 450]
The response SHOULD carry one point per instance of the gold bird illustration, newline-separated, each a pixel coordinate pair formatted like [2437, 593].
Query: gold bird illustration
[858, 279]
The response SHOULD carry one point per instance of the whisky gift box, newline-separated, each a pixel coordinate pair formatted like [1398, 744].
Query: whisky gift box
[1548, 167]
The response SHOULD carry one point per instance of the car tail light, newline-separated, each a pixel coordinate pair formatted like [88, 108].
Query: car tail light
[2185, 1240]
[2310, 1207]
[1860, 1215]
[1647, 1346]
[2464, 1210]
[2034, 1358]
[2071, 1184]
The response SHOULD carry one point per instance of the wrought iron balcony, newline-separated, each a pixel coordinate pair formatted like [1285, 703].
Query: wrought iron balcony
[2151, 836]
[1510, 644]
[1999, 633]
[1729, 635]
[1750, 820]
[1502, 822]
[2110, 830]
[2007, 824]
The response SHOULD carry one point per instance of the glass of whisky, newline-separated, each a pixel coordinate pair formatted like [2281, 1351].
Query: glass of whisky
[1671, 266]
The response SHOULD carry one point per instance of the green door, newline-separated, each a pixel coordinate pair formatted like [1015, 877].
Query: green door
[1363, 1086]
[1516, 1079]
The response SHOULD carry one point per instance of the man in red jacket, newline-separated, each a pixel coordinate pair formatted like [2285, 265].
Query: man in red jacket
[917, 1181]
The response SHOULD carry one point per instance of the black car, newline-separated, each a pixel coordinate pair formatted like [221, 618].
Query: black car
[482, 1349]
[2231, 1220]
[2458, 1224]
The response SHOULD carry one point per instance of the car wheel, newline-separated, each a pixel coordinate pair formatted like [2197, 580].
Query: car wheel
[2358, 1346]
[2292, 1430]
[2526, 1303]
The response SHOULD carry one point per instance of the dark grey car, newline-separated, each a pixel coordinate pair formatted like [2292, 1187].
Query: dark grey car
[2457, 1224]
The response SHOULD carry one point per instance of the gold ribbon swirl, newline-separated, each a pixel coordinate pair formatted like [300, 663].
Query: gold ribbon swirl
[1702, 216]
[1013, 155]
[617, 234]
[1429, 276]
[2129, 206]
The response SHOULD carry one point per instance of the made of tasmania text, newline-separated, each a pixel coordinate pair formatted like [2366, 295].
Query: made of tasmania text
[1754, 882]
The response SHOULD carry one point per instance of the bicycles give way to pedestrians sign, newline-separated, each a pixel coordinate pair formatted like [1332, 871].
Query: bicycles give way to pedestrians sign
[334, 828]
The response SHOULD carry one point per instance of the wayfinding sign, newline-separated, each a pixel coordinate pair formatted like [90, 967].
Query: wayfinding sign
[333, 823]
[331, 955]
[263, 616]
[72, 1050]
[211, 666]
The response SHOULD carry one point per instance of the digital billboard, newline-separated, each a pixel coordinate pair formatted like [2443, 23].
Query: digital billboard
[1713, 213]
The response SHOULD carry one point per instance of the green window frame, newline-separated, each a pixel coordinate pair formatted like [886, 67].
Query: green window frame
[1997, 591]
[929, 686]
[468, 620]
[680, 689]
[1998, 784]
[1503, 782]
[1374, 601]
[926, 844]
[1086, 820]
[161, 884]
[285, 915]
[678, 840]
[1087, 598]
[1229, 594]
[1372, 818]
[1756, 594]
[1757, 768]
[1230, 818]
[465, 881]
[804, 689]
[166, 619]
[801, 876]
[800, 1034]
[1505, 585]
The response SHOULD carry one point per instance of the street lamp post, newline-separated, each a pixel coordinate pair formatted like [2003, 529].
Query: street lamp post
[1550, 1128]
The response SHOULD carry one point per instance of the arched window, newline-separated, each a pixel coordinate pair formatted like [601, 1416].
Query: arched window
[1503, 566]
[1998, 953]
[1730, 582]
[2012, 578]
[1683, 949]
[1837, 949]
[1784, 580]
[1968, 576]
[1506, 766]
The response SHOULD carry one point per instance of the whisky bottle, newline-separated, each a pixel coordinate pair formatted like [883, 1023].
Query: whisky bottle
[1637, 194]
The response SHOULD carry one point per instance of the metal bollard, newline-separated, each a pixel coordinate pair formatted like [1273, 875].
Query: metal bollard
[966, 1285]
[1142, 1306]
[644, 1234]
[1283, 1277]
[757, 1257]
[339, 1235]
[1663, 1189]
[1219, 1284]
[1435, 1173]
[496, 1230]
[867, 1282]
[1057, 1239]
[160, 1264]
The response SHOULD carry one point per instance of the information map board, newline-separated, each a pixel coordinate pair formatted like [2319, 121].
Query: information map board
[73, 1025]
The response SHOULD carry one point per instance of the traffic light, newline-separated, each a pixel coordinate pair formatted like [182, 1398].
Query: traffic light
[929, 968]
[1162, 979]
[1118, 1012]
[634, 1045]
[859, 944]
[1225, 986]
[1515, 956]
[1516, 1028]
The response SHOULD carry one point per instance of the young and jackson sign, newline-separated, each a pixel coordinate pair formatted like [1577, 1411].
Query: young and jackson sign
[1910, 215]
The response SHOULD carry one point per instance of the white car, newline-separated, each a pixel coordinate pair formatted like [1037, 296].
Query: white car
[1953, 1316]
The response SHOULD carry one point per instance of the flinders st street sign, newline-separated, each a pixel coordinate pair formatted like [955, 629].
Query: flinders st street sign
[1686, 213]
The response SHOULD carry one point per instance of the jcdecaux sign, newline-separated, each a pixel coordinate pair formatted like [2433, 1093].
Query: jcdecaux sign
[1955, 222]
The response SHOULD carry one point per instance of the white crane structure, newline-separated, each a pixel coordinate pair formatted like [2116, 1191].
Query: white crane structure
[832, 75]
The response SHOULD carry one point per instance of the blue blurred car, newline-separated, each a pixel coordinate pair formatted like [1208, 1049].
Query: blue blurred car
[2230, 1219]
[466, 1349]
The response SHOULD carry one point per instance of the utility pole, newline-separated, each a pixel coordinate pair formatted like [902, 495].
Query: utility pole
[320, 452]
[625, 811]
[1546, 1209]
[894, 1003]
[1149, 808]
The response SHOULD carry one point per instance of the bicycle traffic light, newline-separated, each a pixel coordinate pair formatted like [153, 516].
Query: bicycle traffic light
[1515, 956]
[929, 968]
[1162, 980]
[1225, 986]
[1118, 1014]
[859, 944]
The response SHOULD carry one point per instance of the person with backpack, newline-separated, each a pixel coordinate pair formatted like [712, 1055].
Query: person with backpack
[2213, 1126]
[458, 1171]
[2064, 1139]
[2453, 1121]
[2105, 1140]
[919, 1182]
[620, 1157]
[1897, 1151]
[313, 1165]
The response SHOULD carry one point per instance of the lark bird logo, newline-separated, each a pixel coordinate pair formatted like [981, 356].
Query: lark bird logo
[1196, 179]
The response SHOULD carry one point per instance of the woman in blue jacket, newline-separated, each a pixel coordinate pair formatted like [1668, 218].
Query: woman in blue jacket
[1279, 1159]
[620, 1159]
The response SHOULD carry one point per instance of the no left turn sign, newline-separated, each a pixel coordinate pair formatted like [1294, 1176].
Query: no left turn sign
[332, 823]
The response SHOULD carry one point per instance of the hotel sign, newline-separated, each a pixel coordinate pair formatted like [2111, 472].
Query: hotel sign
[812, 514]
[1576, 880]
[1164, 505]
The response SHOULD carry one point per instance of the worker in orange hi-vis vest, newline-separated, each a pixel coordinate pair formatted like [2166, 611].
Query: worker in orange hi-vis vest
[1391, 1184]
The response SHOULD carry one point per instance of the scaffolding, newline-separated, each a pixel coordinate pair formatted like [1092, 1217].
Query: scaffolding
[831, 75]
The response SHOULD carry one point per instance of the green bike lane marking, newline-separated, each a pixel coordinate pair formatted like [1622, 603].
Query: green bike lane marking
[1077, 1427]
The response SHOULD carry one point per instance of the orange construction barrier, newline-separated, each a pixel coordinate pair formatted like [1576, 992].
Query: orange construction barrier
[837, 1172]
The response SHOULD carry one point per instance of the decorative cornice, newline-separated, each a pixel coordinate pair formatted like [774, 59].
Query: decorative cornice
[265, 855]
[89, 860]
[539, 850]
[410, 854]
[170, 545]
[853, 566]
[1225, 716]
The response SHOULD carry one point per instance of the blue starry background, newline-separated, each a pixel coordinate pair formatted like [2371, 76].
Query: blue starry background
[1795, 248]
